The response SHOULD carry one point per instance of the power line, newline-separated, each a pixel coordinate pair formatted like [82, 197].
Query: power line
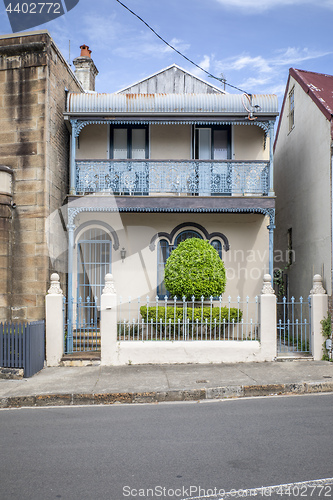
[180, 53]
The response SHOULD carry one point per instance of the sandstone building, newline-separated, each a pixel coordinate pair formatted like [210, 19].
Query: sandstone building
[34, 151]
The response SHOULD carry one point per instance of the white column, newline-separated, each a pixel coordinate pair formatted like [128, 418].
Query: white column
[319, 308]
[108, 322]
[54, 322]
[267, 319]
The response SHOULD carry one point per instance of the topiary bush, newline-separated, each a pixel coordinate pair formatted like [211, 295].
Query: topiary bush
[194, 268]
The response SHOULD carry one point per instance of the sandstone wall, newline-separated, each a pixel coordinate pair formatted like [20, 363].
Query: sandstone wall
[34, 142]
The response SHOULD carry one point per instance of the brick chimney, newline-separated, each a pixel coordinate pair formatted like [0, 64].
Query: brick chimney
[85, 69]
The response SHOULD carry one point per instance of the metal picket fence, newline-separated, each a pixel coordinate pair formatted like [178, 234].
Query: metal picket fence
[294, 326]
[178, 319]
[23, 346]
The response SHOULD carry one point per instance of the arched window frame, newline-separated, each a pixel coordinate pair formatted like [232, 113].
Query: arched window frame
[164, 249]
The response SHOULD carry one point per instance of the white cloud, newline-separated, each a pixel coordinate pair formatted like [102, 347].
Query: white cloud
[264, 74]
[251, 6]
[204, 64]
[177, 44]
[99, 28]
[293, 55]
[244, 61]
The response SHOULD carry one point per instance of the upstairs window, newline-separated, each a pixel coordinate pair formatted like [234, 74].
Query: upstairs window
[212, 143]
[292, 108]
[129, 143]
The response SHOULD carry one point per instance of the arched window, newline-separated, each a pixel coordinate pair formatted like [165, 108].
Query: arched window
[163, 252]
[185, 235]
[218, 247]
[93, 262]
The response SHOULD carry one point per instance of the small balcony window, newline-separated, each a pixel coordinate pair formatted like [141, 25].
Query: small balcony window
[129, 143]
[212, 143]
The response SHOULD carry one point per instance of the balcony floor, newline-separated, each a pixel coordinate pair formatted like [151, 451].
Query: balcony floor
[174, 203]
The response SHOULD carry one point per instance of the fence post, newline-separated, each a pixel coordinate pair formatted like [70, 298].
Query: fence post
[54, 322]
[267, 320]
[319, 307]
[108, 322]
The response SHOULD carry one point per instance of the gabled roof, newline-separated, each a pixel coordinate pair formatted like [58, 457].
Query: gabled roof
[172, 79]
[318, 86]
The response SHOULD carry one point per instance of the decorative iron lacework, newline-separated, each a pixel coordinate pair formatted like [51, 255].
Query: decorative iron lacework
[73, 212]
[204, 178]
[78, 125]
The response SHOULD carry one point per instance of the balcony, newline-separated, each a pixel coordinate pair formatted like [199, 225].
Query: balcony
[173, 177]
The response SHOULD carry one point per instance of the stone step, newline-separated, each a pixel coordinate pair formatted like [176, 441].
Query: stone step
[84, 358]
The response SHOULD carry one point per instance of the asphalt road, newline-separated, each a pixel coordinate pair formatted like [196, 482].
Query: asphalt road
[175, 450]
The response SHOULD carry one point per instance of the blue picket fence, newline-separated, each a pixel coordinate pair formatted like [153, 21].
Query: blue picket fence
[23, 346]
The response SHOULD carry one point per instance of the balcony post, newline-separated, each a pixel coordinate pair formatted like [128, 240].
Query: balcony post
[71, 230]
[72, 176]
[271, 162]
[271, 227]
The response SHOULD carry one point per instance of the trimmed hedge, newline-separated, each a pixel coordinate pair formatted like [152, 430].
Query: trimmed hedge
[193, 314]
[194, 268]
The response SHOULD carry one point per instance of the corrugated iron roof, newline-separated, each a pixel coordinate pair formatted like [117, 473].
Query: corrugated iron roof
[319, 87]
[219, 104]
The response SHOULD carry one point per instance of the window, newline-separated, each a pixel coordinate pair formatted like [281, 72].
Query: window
[93, 263]
[212, 143]
[218, 247]
[292, 108]
[129, 143]
[164, 250]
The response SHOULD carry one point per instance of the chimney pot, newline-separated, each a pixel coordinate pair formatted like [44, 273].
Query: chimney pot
[85, 52]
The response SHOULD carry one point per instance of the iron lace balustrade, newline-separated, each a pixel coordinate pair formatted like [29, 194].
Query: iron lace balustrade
[173, 177]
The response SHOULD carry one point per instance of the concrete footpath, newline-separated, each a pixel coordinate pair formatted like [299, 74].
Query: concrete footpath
[158, 383]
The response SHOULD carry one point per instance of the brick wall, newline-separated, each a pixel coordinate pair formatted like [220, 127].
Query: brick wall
[34, 142]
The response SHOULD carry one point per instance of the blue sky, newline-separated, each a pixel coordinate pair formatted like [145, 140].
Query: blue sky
[252, 43]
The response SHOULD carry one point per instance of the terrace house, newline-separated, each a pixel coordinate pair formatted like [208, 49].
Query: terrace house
[303, 177]
[167, 158]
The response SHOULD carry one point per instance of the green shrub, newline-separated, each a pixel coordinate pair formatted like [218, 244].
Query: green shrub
[194, 268]
[326, 324]
[193, 314]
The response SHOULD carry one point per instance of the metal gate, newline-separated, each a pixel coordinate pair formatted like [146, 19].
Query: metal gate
[294, 327]
[82, 321]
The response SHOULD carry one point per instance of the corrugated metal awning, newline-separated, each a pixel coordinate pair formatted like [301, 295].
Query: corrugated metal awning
[198, 104]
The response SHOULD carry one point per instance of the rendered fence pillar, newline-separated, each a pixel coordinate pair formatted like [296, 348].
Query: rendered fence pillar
[108, 322]
[54, 322]
[319, 307]
[267, 320]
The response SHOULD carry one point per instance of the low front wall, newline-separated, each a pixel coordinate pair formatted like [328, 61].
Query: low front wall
[162, 352]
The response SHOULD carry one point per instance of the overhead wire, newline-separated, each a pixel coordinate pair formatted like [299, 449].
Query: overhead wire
[181, 54]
